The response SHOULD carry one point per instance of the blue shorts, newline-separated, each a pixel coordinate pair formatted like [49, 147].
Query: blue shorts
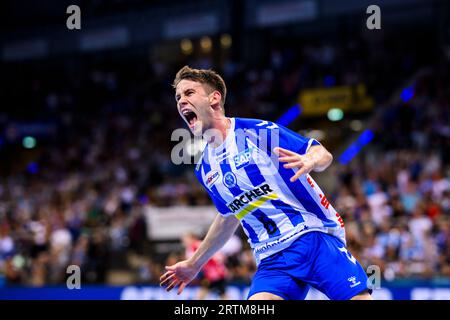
[315, 259]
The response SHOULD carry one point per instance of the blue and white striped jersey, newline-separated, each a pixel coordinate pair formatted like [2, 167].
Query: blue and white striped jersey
[244, 178]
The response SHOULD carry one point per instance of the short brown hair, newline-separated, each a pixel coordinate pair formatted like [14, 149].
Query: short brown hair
[208, 77]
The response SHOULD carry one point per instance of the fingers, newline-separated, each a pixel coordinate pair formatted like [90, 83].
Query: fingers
[298, 174]
[282, 151]
[170, 280]
[297, 164]
[289, 158]
[173, 284]
[165, 275]
[171, 271]
[181, 287]
[163, 282]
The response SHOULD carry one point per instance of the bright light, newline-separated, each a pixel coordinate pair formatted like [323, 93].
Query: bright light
[317, 134]
[206, 44]
[186, 46]
[407, 94]
[290, 115]
[335, 114]
[33, 168]
[356, 125]
[365, 137]
[29, 142]
[226, 41]
[329, 81]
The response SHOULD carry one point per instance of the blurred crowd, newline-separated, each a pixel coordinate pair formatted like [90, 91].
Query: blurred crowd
[396, 200]
[79, 197]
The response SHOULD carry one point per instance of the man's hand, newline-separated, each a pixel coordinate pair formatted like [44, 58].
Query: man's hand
[304, 163]
[179, 274]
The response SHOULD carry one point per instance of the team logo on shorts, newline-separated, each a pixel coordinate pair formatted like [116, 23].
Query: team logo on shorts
[353, 281]
[229, 179]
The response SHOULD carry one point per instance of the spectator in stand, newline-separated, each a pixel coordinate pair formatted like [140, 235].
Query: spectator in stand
[213, 276]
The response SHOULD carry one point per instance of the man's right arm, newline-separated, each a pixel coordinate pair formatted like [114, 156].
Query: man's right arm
[218, 234]
[183, 272]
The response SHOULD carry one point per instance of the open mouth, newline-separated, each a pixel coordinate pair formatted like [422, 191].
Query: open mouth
[190, 116]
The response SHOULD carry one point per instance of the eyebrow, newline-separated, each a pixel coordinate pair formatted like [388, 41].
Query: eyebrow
[177, 96]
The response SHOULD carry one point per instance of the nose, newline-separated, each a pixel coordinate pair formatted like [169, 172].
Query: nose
[182, 101]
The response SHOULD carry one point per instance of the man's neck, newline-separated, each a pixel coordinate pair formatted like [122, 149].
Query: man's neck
[220, 127]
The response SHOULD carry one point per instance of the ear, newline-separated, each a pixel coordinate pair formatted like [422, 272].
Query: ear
[215, 98]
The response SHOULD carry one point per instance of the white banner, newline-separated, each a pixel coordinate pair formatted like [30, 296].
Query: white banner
[172, 222]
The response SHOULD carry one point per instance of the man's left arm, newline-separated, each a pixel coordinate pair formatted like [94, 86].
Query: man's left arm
[317, 158]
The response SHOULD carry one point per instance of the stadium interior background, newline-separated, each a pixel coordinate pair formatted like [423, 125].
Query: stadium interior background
[86, 118]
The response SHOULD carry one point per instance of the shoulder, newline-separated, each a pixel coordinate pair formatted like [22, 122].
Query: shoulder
[250, 123]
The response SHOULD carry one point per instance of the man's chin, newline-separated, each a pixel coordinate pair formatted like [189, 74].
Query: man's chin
[196, 129]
